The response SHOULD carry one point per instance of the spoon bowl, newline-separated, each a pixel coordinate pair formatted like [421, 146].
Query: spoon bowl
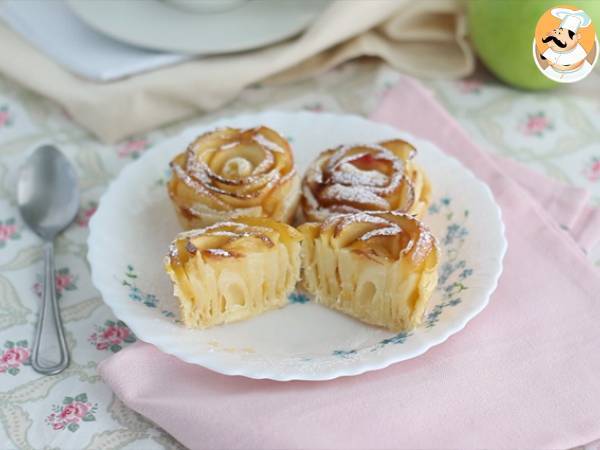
[48, 199]
[47, 192]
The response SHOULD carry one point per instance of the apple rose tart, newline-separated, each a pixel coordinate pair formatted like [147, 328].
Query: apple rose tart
[233, 270]
[379, 267]
[229, 173]
[379, 177]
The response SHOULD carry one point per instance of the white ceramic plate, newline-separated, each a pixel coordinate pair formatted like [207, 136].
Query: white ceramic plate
[135, 222]
[159, 25]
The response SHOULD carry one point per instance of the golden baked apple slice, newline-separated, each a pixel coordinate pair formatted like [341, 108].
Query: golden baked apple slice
[365, 177]
[229, 173]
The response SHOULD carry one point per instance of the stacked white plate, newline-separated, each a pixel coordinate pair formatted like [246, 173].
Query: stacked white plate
[104, 40]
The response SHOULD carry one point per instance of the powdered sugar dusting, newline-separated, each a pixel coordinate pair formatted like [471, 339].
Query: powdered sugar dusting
[232, 231]
[266, 143]
[354, 177]
[239, 178]
[418, 245]
[393, 230]
[229, 145]
[363, 216]
[354, 194]
[217, 252]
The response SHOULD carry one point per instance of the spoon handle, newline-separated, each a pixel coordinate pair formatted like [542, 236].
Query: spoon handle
[50, 355]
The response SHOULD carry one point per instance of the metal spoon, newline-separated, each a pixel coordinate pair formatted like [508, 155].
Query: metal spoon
[48, 198]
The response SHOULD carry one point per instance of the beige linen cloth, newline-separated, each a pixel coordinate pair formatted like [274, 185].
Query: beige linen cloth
[424, 38]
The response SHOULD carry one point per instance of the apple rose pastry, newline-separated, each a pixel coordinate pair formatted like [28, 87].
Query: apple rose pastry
[229, 173]
[379, 267]
[379, 177]
[233, 270]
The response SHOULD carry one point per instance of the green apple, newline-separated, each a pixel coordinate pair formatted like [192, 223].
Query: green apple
[502, 33]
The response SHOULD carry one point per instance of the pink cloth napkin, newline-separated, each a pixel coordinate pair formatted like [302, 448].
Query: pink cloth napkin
[525, 373]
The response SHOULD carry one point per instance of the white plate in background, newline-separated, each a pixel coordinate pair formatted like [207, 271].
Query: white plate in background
[159, 25]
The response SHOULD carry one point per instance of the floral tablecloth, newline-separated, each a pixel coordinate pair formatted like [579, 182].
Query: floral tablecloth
[557, 133]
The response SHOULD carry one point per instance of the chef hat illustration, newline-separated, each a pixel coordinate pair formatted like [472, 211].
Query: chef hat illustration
[571, 20]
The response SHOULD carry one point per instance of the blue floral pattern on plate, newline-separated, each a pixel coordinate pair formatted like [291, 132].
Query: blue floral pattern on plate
[453, 274]
[298, 297]
[137, 295]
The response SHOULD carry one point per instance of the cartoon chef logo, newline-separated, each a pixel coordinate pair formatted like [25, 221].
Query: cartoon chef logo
[565, 46]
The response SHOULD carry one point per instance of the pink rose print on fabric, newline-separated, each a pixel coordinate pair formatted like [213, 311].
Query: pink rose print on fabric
[314, 107]
[592, 170]
[14, 356]
[470, 86]
[111, 336]
[72, 413]
[8, 231]
[133, 148]
[6, 119]
[64, 281]
[536, 125]
[86, 213]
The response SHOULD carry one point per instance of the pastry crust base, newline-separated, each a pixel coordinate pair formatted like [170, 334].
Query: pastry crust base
[381, 291]
[231, 283]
